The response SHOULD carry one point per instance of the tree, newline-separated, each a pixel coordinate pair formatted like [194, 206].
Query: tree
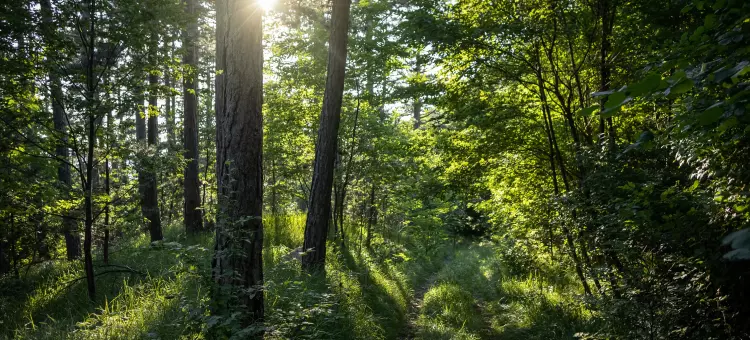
[193, 214]
[316, 227]
[238, 262]
[72, 239]
[151, 189]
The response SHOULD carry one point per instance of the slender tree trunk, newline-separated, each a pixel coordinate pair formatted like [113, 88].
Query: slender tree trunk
[371, 216]
[193, 214]
[554, 147]
[105, 245]
[88, 202]
[151, 199]
[319, 211]
[418, 101]
[238, 261]
[348, 171]
[274, 201]
[89, 175]
[169, 112]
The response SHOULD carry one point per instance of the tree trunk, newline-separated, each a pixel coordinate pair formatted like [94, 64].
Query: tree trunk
[105, 245]
[371, 216]
[238, 261]
[193, 214]
[418, 101]
[70, 232]
[88, 180]
[151, 199]
[274, 201]
[555, 151]
[319, 211]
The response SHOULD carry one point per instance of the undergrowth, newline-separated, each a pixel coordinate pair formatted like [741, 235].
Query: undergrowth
[162, 291]
[476, 297]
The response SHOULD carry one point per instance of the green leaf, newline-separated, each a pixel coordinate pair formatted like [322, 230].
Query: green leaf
[645, 86]
[615, 100]
[709, 21]
[727, 124]
[681, 87]
[712, 114]
[588, 110]
[695, 185]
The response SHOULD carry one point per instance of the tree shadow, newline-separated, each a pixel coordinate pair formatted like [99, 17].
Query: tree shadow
[54, 300]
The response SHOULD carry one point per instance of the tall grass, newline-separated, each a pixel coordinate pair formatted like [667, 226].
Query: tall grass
[475, 297]
[162, 291]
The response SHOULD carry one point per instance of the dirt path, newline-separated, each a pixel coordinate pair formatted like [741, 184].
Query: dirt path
[410, 331]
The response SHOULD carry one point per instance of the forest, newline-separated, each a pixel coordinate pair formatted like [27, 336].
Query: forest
[374, 169]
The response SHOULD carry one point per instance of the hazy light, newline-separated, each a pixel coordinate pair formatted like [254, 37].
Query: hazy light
[267, 5]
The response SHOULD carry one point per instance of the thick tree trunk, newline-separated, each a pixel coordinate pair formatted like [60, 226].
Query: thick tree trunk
[316, 227]
[238, 262]
[193, 214]
[150, 198]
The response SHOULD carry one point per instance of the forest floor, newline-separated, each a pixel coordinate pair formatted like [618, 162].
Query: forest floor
[388, 291]
[415, 306]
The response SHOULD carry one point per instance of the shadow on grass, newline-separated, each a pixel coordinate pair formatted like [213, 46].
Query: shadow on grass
[55, 304]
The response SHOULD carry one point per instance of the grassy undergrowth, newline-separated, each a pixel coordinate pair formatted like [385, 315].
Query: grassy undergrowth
[475, 297]
[162, 291]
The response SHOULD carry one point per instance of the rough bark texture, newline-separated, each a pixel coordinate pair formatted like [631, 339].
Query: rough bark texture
[193, 214]
[150, 197]
[238, 262]
[319, 211]
[70, 232]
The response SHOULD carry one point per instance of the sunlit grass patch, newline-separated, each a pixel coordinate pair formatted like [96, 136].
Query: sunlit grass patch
[452, 305]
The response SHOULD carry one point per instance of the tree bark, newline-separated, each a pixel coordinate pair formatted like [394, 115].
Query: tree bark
[193, 216]
[105, 245]
[238, 261]
[150, 198]
[316, 227]
[91, 130]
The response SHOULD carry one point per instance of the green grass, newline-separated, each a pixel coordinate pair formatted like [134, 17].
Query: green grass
[365, 293]
[474, 297]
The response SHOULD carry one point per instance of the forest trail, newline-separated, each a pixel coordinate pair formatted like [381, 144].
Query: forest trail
[415, 307]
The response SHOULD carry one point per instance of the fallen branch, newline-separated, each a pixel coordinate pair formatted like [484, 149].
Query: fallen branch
[133, 271]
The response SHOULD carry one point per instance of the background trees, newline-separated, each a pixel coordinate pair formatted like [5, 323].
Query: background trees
[488, 169]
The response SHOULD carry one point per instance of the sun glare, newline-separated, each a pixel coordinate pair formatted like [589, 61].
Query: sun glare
[267, 5]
